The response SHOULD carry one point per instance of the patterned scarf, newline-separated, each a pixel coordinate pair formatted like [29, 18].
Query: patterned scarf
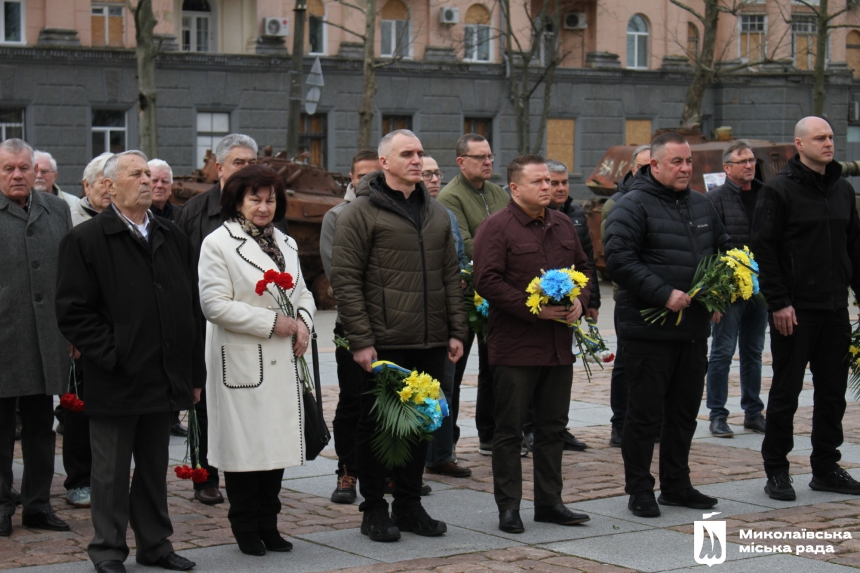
[265, 238]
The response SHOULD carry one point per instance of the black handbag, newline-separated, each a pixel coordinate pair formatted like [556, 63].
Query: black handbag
[317, 435]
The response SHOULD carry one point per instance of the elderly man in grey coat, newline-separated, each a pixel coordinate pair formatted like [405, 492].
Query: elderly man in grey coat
[34, 364]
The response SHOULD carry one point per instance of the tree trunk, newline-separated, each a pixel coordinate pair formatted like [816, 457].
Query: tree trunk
[146, 51]
[818, 94]
[703, 71]
[365, 112]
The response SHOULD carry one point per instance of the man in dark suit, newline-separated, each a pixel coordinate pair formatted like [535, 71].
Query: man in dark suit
[127, 299]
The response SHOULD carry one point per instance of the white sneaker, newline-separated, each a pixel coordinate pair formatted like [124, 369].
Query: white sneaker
[79, 496]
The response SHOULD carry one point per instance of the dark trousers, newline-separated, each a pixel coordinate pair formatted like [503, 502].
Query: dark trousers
[821, 340]
[665, 379]
[618, 389]
[441, 449]
[115, 439]
[548, 387]
[349, 379]
[203, 423]
[372, 473]
[486, 405]
[37, 444]
[254, 502]
[459, 371]
[77, 452]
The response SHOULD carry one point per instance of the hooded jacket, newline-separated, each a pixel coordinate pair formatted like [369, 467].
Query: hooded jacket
[655, 238]
[806, 238]
[397, 284]
[621, 189]
[730, 206]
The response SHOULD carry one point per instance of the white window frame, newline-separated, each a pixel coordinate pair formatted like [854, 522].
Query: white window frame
[811, 22]
[212, 136]
[636, 35]
[474, 31]
[106, 131]
[741, 31]
[7, 124]
[105, 12]
[323, 27]
[23, 39]
[192, 47]
[392, 53]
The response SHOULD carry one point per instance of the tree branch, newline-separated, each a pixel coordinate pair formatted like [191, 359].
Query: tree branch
[689, 9]
[345, 29]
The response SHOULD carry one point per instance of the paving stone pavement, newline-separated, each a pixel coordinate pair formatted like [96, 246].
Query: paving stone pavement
[326, 535]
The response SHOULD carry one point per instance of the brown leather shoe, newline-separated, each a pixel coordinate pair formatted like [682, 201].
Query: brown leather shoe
[449, 468]
[209, 496]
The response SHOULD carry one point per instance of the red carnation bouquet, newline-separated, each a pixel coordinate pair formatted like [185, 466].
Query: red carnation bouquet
[197, 474]
[70, 400]
[283, 282]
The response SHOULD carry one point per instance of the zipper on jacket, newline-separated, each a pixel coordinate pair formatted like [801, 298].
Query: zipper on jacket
[424, 271]
[486, 205]
[691, 227]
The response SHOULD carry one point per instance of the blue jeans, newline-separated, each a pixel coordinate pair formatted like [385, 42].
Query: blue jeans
[742, 326]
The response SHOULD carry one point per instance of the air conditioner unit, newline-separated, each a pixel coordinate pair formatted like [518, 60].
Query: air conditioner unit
[449, 15]
[575, 21]
[854, 111]
[276, 27]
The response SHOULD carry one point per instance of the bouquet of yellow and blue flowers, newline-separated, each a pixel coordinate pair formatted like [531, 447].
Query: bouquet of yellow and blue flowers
[557, 287]
[854, 362]
[720, 280]
[477, 308]
[409, 408]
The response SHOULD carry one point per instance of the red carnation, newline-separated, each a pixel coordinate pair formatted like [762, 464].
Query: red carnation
[609, 358]
[183, 472]
[285, 281]
[261, 287]
[199, 475]
[270, 276]
[71, 402]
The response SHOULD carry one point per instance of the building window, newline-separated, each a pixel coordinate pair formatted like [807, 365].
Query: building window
[548, 51]
[692, 42]
[395, 40]
[852, 52]
[477, 37]
[560, 141]
[12, 21]
[637, 43]
[804, 36]
[481, 126]
[211, 128]
[107, 25]
[637, 131]
[313, 138]
[316, 27]
[197, 26]
[11, 123]
[753, 43]
[394, 122]
[109, 131]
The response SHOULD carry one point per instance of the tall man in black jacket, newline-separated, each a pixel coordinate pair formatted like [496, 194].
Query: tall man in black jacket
[806, 237]
[743, 324]
[655, 237]
[127, 300]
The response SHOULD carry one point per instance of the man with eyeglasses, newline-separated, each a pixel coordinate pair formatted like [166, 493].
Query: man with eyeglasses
[472, 198]
[46, 178]
[744, 321]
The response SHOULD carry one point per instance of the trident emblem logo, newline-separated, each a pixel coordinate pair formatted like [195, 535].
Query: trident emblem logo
[712, 553]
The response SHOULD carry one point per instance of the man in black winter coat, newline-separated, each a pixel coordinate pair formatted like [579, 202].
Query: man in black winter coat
[743, 324]
[655, 237]
[806, 238]
[127, 300]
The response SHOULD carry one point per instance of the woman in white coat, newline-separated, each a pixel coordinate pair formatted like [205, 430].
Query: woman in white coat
[252, 385]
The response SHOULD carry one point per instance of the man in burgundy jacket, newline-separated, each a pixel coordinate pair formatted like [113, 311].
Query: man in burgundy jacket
[530, 354]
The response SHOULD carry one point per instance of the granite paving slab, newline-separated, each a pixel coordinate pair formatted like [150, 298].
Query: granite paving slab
[775, 564]
[751, 491]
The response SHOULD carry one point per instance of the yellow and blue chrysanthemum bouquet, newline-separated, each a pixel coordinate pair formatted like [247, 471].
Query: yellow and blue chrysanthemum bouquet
[409, 408]
[558, 287]
[477, 308]
[854, 361]
[720, 280]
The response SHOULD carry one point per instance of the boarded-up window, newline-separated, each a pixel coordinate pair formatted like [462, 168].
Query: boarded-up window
[804, 32]
[316, 27]
[560, 141]
[753, 44]
[852, 52]
[395, 40]
[692, 42]
[477, 34]
[313, 138]
[637, 132]
[107, 25]
[481, 126]
[394, 122]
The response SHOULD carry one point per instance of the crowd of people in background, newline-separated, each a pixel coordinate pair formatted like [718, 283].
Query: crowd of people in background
[150, 309]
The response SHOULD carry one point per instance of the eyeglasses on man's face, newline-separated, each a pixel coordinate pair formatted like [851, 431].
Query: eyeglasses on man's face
[481, 158]
[429, 175]
[750, 161]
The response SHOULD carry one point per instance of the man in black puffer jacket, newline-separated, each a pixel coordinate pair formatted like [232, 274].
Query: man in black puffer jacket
[806, 237]
[743, 323]
[655, 237]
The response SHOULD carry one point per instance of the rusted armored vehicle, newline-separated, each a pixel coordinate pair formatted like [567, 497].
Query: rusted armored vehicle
[707, 174]
[311, 192]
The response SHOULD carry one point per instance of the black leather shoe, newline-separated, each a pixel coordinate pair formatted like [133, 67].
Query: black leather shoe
[46, 519]
[779, 487]
[416, 520]
[720, 429]
[510, 522]
[571, 444]
[615, 437]
[5, 525]
[178, 429]
[273, 541]
[559, 514]
[643, 504]
[110, 567]
[450, 469]
[208, 496]
[755, 423]
[175, 562]
[690, 497]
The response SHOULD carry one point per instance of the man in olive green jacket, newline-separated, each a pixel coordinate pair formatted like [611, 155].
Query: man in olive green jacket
[472, 198]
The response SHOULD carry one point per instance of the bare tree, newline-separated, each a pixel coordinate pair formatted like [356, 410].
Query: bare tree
[146, 52]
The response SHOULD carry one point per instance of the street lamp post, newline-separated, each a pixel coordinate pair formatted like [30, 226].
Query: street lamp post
[295, 111]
